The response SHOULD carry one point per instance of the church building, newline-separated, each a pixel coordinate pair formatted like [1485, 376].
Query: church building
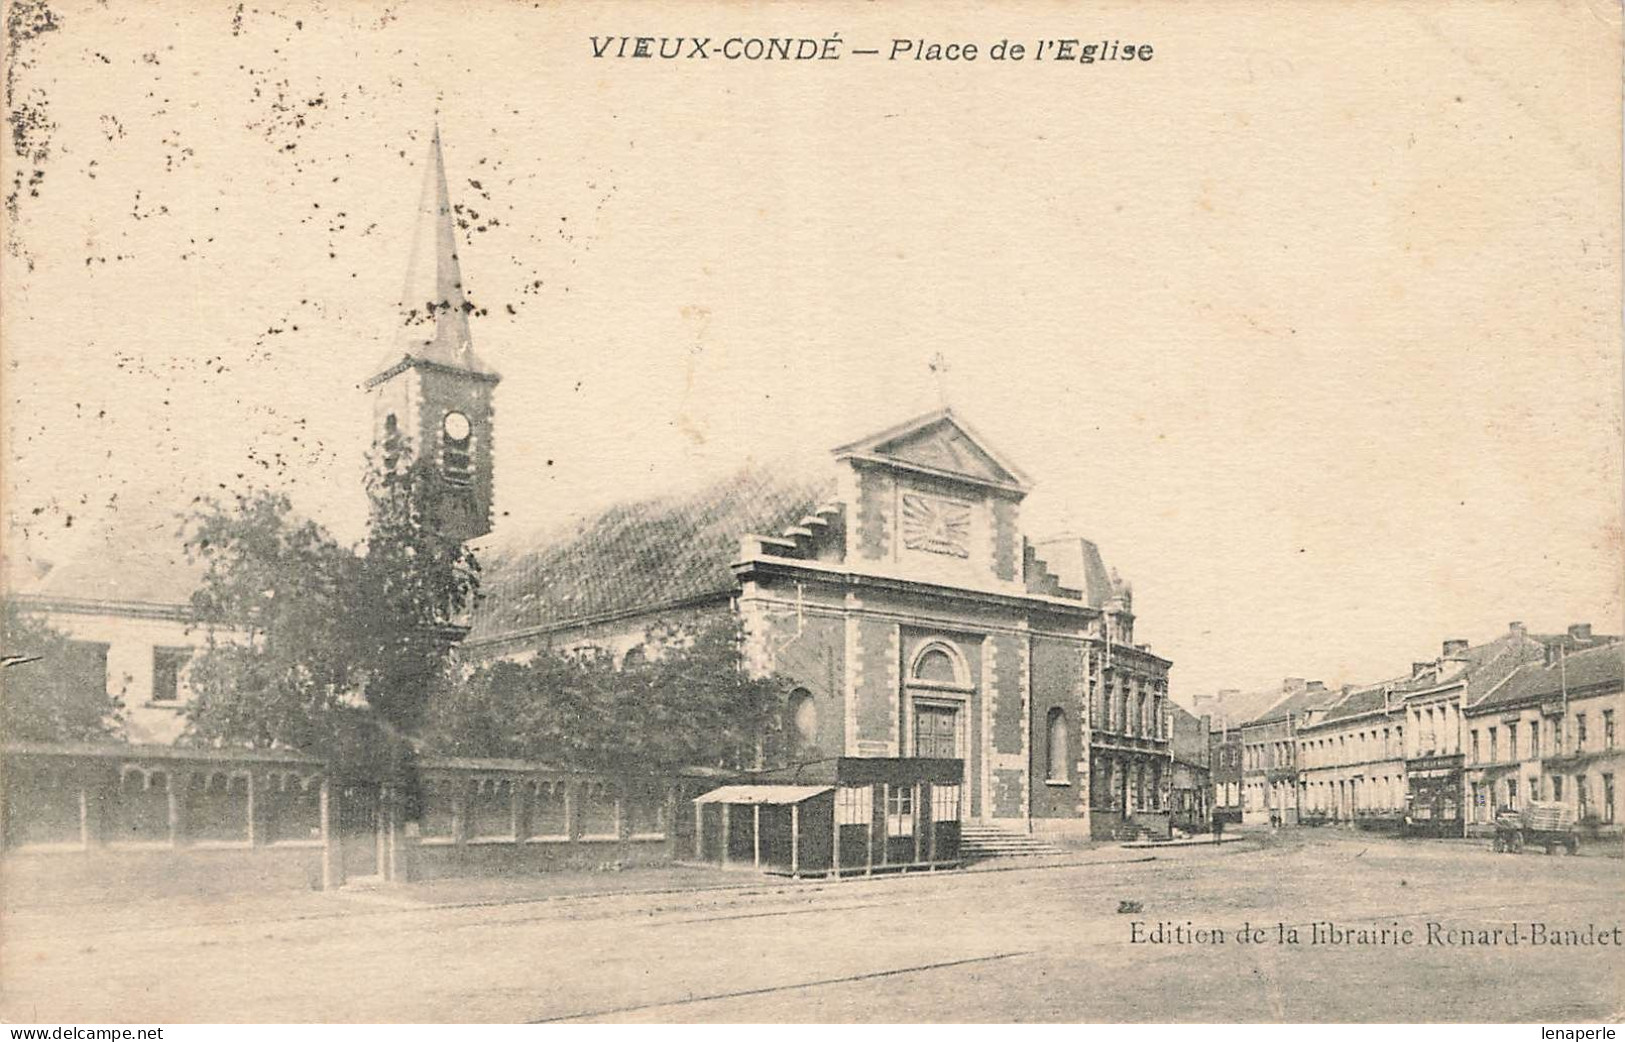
[901, 597]
[897, 591]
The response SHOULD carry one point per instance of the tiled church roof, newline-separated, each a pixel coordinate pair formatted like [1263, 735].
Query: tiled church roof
[642, 555]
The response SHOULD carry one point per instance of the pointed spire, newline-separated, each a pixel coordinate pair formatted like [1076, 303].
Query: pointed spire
[434, 310]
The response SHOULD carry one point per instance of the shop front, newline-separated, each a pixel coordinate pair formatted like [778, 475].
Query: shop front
[1433, 803]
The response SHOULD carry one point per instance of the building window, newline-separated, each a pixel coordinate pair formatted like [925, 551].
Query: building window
[86, 665]
[1495, 754]
[1607, 728]
[1055, 751]
[854, 805]
[457, 449]
[1608, 799]
[1512, 741]
[801, 714]
[1475, 746]
[1557, 788]
[391, 443]
[900, 812]
[1534, 739]
[936, 666]
[944, 803]
[1512, 793]
[167, 664]
[1582, 797]
[1580, 732]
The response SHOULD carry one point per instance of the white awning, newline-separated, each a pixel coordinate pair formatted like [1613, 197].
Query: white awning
[768, 794]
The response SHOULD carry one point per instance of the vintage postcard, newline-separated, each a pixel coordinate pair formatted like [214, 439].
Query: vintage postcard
[745, 512]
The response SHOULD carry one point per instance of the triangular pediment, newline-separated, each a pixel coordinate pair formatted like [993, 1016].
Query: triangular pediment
[938, 443]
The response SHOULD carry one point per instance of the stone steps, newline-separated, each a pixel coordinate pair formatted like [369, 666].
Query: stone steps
[979, 842]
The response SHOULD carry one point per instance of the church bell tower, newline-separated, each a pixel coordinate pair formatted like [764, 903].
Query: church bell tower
[431, 395]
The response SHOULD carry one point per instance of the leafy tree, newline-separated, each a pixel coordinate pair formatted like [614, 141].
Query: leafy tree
[50, 691]
[551, 708]
[415, 584]
[343, 652]
[689, 702]
[321, 647]
[277, 607]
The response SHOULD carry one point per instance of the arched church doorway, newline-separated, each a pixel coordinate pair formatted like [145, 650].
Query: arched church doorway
[937, 690]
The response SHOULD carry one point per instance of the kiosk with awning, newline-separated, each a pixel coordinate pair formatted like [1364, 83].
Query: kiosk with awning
[869, 814]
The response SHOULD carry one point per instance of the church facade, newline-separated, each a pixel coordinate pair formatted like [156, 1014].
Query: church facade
[901, 598]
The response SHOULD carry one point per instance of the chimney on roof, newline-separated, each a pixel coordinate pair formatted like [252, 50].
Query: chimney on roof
[1293, 685]
[1517, 629]
[1418, 668]
[1581, 632]
[1454, 660]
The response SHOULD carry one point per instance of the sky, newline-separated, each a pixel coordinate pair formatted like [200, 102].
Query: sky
[1312, 322]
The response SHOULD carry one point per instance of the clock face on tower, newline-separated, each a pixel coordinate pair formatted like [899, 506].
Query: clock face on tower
[456, 426]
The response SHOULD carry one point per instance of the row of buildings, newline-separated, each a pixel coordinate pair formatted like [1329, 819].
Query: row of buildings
[1438, 750]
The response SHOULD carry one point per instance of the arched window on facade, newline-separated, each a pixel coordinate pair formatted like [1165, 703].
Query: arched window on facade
[801, 718]
[936, 667]
[1055, 769]
[391, 443]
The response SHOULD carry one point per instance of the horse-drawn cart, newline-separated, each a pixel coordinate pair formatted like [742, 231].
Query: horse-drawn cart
[1538, 824]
